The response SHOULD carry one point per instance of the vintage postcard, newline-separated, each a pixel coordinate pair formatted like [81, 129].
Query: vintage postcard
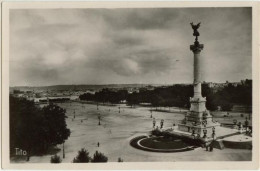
[130, 85]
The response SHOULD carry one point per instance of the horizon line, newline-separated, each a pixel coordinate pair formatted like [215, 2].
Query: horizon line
[119, 84]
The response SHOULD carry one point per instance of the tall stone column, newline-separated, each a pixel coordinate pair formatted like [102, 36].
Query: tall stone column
[197, 101]
[196, 49]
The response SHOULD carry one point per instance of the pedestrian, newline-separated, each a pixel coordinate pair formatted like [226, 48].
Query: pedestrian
[154, 122]
[246, 130]
[207, 147]
[162, 123]
[211, 147]
[98, 144]
[250, 132]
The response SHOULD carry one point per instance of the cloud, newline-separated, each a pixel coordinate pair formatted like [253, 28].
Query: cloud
[99, 46]
[150, 18]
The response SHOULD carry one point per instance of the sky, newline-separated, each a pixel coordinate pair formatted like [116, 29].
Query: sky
[126, 46]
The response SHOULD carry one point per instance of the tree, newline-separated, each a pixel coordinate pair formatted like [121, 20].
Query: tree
[17, 91]
[34, 129]
[82, 157]
[226, 106]
[209, 94]
[178, 95]
[156, 101]
[27, 129]
[55, 159]
[99, 158]
[132, 99]
[55, 120]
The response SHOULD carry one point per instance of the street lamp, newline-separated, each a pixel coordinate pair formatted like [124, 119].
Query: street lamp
[193, 131]
[213, 132]
[246, 123]
[162, 123]
[99, 117]
[63, 151]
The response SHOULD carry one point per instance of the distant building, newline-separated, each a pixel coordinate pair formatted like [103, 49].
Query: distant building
[123, 101]
[90, 92]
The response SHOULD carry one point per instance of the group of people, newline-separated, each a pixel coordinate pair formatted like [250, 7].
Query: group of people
[242, 128]
[248, 131]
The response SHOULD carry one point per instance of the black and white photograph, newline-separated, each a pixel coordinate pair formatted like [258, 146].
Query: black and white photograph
[132, 84]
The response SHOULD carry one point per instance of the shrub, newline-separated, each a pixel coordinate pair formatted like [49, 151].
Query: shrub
[226, 106]
[55, 159]
[120, 160]
[82, 157]
[166, 135]
[99, 158]
[156, 132]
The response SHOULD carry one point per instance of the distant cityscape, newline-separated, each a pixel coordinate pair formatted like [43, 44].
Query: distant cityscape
[72, 92]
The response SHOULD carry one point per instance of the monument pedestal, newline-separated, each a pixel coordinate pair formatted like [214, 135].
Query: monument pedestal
[198, 119]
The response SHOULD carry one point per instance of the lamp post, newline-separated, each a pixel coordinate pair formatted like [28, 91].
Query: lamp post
[213, 133]
[246, 123]
[99, 117]
[63, 151]
[193, 132]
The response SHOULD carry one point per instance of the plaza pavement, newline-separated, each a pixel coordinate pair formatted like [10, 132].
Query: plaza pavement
[117, 129]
